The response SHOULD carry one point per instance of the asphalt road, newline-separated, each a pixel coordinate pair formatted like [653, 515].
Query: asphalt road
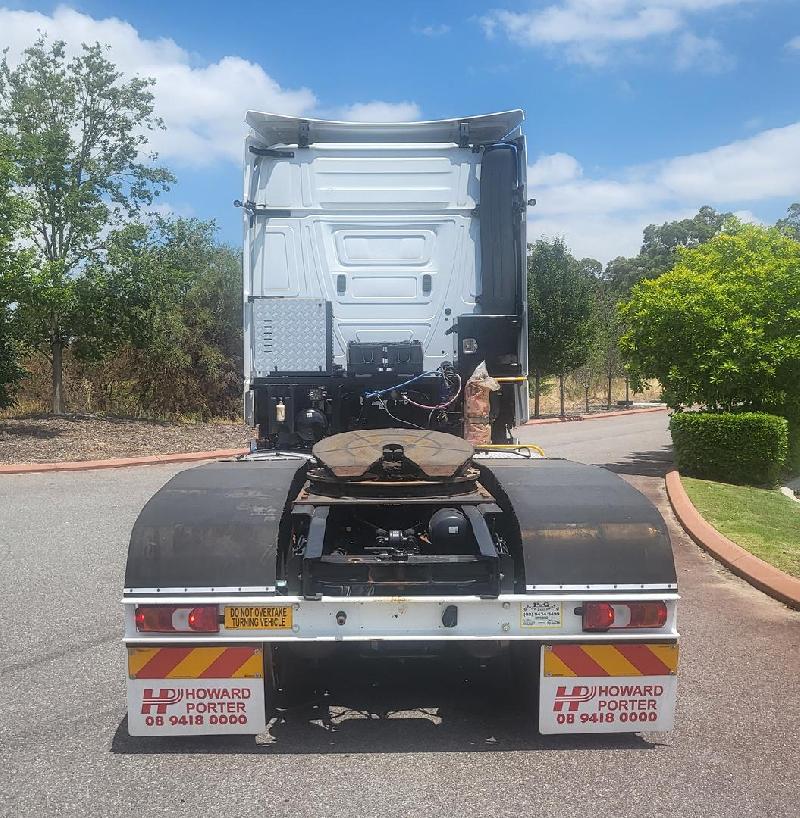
[417, 740]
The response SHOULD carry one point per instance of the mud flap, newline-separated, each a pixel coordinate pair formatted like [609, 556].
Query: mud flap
[193, 691]
[607, 688]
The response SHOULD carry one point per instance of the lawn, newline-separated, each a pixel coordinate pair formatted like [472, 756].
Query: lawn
[763, 521]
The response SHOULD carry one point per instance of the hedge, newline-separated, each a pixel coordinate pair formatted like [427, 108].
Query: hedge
[750, 447]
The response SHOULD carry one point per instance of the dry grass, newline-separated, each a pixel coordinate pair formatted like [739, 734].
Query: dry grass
[575, 402]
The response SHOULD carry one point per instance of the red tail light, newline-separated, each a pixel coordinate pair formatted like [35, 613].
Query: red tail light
[177, 619]
[204, 618]
[603, 616]
[598, 616]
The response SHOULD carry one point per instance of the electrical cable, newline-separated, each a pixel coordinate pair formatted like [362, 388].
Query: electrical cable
[382, 405]
[380, 392]
[438, 405]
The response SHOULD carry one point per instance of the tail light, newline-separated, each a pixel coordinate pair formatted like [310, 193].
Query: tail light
[604, 616]
[177, 619]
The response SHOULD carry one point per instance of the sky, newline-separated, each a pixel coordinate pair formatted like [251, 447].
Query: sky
[637, 111]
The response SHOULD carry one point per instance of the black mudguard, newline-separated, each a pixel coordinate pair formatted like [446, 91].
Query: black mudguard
[582, 525]
[213, 526]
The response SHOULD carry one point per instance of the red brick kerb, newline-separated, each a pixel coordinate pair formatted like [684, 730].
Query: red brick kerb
[762, 575]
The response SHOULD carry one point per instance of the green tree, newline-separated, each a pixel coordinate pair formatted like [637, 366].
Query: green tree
[77, 131]
[168, 311]
[790, 224]
[561, 323]
[609, 331]
[722, 328]
[660, 245]
[12, 265]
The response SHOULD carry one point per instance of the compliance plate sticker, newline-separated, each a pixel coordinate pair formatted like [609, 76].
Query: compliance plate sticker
[540, 614]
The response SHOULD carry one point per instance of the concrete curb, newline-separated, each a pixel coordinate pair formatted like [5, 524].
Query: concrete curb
[119, 462]
[596, 416]
[761, 574]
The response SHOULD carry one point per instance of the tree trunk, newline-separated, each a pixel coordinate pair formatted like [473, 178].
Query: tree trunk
[57, 392]
[561, 394]
[537, 389]
[609, 390]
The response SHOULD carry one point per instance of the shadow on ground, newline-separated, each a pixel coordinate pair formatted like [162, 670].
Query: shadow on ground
[9, 430]
[391, 707]
[655, 463]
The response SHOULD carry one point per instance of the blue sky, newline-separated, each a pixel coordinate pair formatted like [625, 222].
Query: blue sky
[638, 110]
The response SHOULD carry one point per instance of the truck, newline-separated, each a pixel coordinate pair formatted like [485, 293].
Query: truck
[385, 506]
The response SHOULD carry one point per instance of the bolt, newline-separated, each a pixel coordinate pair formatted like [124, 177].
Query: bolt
[506, 605]
[341, 618]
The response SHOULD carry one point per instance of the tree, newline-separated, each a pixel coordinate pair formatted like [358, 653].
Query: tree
[790, 224]
[722, 328]
[12, 262]
[609, 332]
[561, 325]
[660, 243]
[168, 312]
[77, 131]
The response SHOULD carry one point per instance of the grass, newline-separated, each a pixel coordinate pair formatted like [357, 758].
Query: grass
[763, 521]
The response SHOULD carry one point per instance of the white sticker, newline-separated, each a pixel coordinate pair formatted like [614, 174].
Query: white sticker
[185, 707]
[540, 614]
[606, 704]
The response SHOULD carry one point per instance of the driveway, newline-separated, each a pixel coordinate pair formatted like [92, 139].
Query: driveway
[420, 740]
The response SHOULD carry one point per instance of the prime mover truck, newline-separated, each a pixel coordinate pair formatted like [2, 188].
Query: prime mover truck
[385, 505]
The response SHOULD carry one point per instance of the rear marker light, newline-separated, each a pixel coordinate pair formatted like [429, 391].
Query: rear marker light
[177, 619]
[597, 616]
[604, 616]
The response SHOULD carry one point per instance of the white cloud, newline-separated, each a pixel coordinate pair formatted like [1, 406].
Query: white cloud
[765, 165]
[589, 31]
[202, 106]
[604, 216]
[747, 216]
[794, 43]
[433, 30]
[378, 111]
[702, 53]
[554, 168]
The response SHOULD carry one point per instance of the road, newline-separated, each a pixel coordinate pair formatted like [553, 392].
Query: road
[422, 741]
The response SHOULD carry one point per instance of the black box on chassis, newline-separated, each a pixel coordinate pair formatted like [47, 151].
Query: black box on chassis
[373, 360]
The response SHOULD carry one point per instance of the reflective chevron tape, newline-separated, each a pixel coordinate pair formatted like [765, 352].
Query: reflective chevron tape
[625, 659]
[196, 663]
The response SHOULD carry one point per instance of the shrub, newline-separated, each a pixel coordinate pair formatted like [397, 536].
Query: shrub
[750, 447]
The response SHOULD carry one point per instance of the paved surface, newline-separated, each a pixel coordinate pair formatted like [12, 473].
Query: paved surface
[422, 741]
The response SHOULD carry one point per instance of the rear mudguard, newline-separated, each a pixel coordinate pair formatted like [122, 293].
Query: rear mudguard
[218, 526]
[581, 525]
[214, 526]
